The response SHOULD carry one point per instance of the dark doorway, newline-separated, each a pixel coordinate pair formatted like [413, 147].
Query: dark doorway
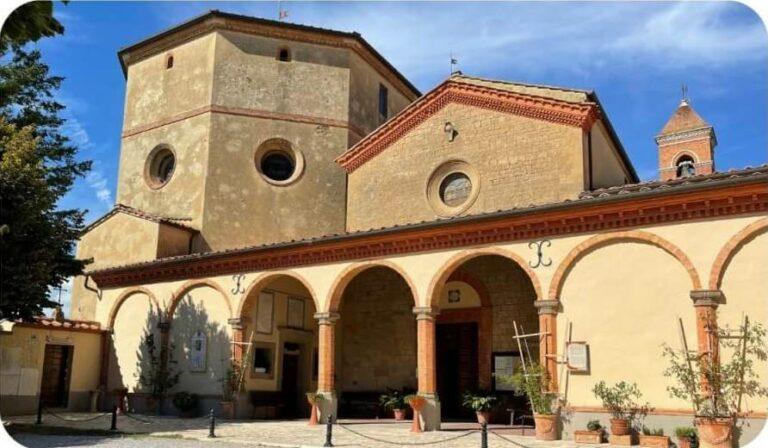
[57, 364]
[290, 380]
[456, 367]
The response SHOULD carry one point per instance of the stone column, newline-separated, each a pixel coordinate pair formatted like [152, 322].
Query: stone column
[705, 302]
[427, 365]
[326, 350]
[548, 340]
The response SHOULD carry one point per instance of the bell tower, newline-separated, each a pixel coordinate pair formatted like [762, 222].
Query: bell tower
[686, 144]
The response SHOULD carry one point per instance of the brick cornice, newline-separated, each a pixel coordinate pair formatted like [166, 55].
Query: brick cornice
[577, 217]
[582, 115]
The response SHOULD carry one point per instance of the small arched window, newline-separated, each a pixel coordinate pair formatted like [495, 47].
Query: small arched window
[685, 167]
[284, 55]
[169, 62]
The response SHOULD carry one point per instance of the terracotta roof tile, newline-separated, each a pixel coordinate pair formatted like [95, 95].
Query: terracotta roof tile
[684, 119]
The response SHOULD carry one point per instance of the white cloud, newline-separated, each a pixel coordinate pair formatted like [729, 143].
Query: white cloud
[98, 183]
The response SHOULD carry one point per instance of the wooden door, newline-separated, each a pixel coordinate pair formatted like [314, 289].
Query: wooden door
[456, 367]
[54, 386]
[290, 385]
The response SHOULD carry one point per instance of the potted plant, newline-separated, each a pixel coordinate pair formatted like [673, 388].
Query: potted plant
[593, 433]
[314, 400]
[230, 385]
[653, 438]
[481, 403]
[155, 375]
[186, 403]
[716, 386]
[394, 400]
[534, 383]
[417, 403]
[685, 436]
[621, 401]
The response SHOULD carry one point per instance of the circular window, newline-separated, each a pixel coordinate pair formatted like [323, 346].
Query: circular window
[453, 188]
[160, 166]
[278, 162]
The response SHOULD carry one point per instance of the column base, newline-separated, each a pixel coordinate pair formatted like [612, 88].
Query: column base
[430, 414]
[329, 406]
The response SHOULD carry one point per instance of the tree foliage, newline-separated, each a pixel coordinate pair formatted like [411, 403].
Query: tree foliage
[39, 165]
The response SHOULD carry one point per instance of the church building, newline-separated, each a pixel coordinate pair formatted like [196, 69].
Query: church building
[290, 203]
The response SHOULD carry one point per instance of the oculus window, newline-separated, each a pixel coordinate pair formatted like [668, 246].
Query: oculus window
[455, 189]
[160, 166]
[278, 162]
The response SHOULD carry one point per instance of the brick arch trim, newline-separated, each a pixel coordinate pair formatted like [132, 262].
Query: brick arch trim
[475, 283]
[188, 286]
[598, 241]
[448, 268]
[123, 297]
[731, 248]
[264, 279]
[347, 275]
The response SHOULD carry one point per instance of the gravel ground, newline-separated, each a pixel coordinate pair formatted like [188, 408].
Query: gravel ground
[40, 441]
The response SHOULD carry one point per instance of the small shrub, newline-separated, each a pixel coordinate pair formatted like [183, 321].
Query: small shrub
[392, 399]
[621, 400]
[534, 383]
[594, 425]
[683, 432]
[479, 402]
[652, 432]
[314, 398]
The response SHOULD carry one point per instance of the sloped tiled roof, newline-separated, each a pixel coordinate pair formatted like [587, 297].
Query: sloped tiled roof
[684, 119]
[181, 223]
[555, 93]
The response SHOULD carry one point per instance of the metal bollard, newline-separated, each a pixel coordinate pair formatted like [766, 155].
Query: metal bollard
[484, 435]
[212, 428]
[328, 432]
[113, 426]
[39, 420]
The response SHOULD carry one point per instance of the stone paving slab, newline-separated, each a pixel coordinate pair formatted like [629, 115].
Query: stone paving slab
[296, 433]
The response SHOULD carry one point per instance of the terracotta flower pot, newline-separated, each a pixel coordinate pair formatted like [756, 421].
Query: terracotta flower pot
[483, 416]
[313, 415]
[654, 441]
[399, 414]
[585, 436]
[546, 426]
[620, 426]
[714, 432]
[683, 442]
[228, 409]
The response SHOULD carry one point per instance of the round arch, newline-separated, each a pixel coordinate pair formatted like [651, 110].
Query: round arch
[447, 269]
[346, 276]
[123, 297]
[477, 285]
[598, 241]
[731, 248]
[192, 284]
[265, 278]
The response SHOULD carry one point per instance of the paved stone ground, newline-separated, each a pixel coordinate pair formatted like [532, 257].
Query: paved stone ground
[288, 434]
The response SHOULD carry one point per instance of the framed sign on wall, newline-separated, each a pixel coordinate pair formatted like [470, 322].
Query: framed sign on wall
[264, 312]
[197, 352]
[295, 312]
[577, 356]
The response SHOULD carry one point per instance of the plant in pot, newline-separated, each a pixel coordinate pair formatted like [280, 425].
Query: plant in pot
[156, 376]
[534, 382]
[417, 403]
[314, 400]
[717, 385]
[653, 438]
[621, 401]
[230, 386]
[593, 433]
[394, 400]
[186, 403]
[685, 436]
[480, 402]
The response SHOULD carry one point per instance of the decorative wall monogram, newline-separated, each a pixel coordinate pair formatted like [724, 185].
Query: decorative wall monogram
[540, 254]
[238, 288]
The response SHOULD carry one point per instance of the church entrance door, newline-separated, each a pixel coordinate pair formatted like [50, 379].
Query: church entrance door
[456, 367]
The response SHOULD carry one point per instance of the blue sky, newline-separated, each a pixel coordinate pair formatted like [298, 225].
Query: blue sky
[635, 55]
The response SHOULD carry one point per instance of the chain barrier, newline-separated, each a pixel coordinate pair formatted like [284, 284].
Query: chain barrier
[75, 420]
[375, 439]
[509, 440]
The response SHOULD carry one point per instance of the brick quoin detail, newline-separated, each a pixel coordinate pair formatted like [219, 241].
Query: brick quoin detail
[598, 241]
[730, 249]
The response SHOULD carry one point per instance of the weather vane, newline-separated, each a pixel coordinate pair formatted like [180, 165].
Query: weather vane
[281, 13]
[454, 63]
[684, 89]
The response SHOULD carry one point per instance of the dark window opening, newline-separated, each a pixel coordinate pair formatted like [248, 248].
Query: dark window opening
[383, 102]
[685, 167]
[169, 62]
[278, 165]
[262, 360]
[284, 55]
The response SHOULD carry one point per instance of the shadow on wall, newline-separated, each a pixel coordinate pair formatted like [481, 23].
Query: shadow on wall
[200, 353]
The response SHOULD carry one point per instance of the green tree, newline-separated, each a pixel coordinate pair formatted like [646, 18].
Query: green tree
[39, 166]
[28, 23]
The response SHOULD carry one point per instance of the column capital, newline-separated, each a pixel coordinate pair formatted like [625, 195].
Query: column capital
[425, 312]
[327, 318]
[707, 297]
[550, 306]
[236, 323]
